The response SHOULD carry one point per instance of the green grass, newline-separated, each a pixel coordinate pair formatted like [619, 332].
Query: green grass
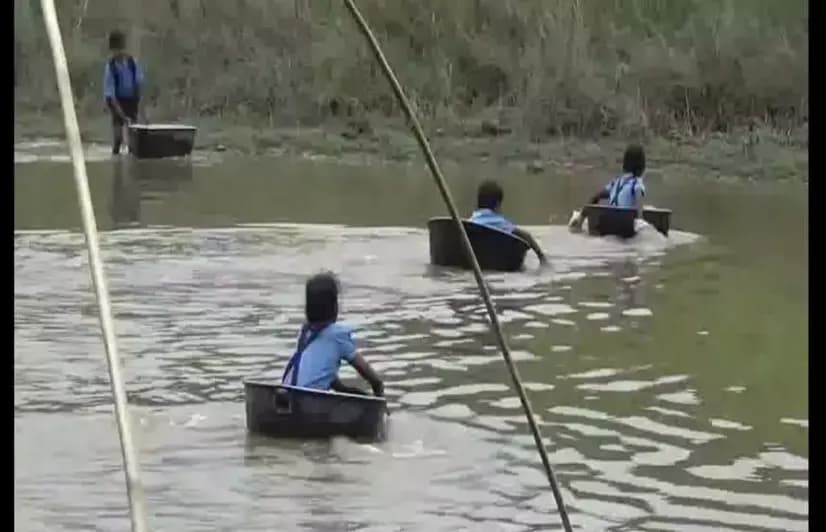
[570, 66]
[685, 73]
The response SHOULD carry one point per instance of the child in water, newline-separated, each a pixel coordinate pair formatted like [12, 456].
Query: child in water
[626, 191]
[324, 342]
[489, 199]
[122, 81]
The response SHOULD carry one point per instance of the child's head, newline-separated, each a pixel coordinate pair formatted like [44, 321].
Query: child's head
[117, 41]
[633, 162]
[489, 196]
[321, 298]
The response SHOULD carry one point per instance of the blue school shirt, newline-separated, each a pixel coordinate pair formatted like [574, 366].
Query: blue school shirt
[321, 359]
[623, 190]
[126, 86]
[491, 218]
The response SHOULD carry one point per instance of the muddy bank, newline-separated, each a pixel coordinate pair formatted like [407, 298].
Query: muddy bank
[748, 155]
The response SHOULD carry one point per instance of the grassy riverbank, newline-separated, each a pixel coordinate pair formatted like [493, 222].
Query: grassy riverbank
[701, 79]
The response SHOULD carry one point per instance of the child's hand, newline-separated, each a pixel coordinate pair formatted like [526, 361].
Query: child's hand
[576, 220]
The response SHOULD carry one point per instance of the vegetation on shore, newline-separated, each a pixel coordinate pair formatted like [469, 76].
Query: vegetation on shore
[685, 71]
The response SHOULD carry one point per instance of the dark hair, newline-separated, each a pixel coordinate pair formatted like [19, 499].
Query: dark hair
[321, 298]
[117, 40]
[489, 195]
[633, 161]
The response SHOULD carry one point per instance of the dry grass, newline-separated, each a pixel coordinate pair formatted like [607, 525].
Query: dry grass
[573, 67]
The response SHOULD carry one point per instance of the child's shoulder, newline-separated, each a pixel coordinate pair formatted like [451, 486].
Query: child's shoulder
[341, 328]
[125, 58]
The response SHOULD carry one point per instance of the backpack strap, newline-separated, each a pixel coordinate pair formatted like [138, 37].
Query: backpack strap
[619, 185]
[307, 336]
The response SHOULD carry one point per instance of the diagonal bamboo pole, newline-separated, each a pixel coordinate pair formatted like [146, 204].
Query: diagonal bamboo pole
[477, 272]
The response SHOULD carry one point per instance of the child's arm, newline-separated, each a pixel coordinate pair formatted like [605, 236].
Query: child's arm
[527, 237]
[109, 94]
[368, 373]
[338, 386]
[139, 91]
[138, 79]
[348, 352]
[639, 195]
[601, 195]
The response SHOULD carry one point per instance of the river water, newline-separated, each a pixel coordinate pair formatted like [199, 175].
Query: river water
[670, 377]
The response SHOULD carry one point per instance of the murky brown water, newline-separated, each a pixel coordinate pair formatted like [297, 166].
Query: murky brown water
[671, 378]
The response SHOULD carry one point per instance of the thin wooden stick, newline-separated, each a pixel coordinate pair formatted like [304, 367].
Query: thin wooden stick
[477, 271]
[133, 483]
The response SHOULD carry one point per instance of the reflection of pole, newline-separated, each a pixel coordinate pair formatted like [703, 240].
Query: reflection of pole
[133, 483]
[628, 277]
[477, 271]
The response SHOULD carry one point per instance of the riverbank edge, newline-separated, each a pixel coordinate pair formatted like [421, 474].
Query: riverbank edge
[760, 154]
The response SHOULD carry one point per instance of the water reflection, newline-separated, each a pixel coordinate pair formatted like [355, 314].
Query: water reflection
[126, 197]
[136, 182]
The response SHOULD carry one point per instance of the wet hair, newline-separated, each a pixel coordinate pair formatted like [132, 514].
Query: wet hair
[633, 162]
[489, 195]
[117, 40]
[321, 298]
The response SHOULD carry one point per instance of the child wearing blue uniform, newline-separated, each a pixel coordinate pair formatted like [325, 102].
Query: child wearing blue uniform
[324, 342]
[122, 81]
[627, 190]
[489, 199]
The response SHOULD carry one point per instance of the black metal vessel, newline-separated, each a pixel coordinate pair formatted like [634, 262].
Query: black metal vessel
[284, 411]
[495, 249]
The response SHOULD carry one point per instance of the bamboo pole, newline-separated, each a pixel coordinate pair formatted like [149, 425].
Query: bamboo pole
[477, 271]
[134, 488]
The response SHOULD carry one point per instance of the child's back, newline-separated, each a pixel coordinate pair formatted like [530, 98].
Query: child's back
[628, 189]
[324, 349]
[625, 191]
[122, 81]
[324, 342]
[489, 199]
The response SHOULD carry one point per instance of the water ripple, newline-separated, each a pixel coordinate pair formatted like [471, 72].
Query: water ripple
[199, 310]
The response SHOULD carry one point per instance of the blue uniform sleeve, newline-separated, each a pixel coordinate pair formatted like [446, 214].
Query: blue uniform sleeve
[640, 187]
[344, 342]
[138, 75]
[108, 82]
[507, 225]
